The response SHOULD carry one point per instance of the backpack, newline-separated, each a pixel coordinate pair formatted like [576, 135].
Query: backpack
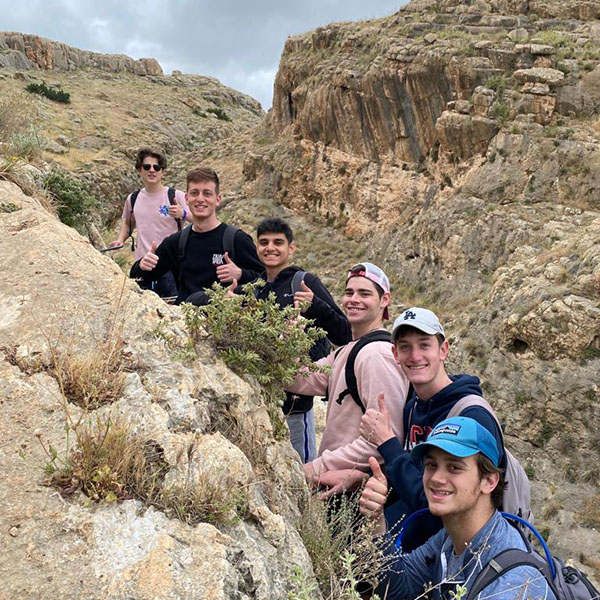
[133, 198]
[567, 583]
[517, 496]
[378, 335]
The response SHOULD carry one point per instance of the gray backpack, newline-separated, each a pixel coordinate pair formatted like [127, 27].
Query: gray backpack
[517, 496]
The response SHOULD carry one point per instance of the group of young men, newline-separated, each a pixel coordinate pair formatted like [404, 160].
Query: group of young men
[393, 413]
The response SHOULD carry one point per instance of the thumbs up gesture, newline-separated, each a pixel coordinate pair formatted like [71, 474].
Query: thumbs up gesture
[150, 259]
[375, 424]
[304, 296]
[228, 271]
[231, 289]
[374, 494]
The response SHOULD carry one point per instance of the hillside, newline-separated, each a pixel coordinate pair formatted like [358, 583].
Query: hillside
[454, 143]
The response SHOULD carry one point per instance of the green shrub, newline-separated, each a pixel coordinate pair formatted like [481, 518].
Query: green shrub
[256, 337]
[55, 94]
[219, 113]
[74, 203]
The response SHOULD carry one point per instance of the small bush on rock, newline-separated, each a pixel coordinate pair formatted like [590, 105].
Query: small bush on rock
[74, 203]
[256, 337]
[51, 93]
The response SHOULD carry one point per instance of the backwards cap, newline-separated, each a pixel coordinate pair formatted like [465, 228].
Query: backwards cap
[375, 274]
[460, 436]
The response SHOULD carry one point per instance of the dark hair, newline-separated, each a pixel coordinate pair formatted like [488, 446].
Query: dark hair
[202, 174]
[404, 329]
[486, 467]
[145, 153]
[275, 225]
[361, 270]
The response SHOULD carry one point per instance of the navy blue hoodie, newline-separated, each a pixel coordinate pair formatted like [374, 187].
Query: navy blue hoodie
[405, 474]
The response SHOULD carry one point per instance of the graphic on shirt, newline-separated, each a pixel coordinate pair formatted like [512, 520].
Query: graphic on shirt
[163, 209]
[447, 429]
[217, 259]
[416, 435]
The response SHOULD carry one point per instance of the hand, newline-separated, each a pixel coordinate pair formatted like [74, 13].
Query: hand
[115, 243]
[176, 211]
[305, 296]
[375, 425]
[149, 260]
[229, 271]
[231, 289]
[310, 474]
[343, 480]
[373, 497]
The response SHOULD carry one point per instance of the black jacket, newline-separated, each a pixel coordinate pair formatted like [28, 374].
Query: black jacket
[323, 310]
[204, 252]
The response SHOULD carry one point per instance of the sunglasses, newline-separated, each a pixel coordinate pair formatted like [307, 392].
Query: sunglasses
[148, 167]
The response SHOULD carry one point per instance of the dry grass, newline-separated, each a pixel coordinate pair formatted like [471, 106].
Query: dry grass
[93, 377]
[589, 514]
[341, 545]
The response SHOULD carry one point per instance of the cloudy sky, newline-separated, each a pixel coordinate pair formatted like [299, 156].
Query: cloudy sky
[237, 41]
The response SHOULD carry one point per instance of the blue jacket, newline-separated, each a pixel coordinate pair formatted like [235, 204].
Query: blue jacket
[404, 473]
[408, 575]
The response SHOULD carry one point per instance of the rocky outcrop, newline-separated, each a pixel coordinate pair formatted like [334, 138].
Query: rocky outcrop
[57, 292]
[24, 51]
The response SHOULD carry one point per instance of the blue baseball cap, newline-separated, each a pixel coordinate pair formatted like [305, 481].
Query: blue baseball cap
[460, 436]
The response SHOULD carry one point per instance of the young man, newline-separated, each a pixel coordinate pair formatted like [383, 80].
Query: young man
[275, 247]
[343, 454]
[463, 484]
[205, 259]
[420, 348]
[153, 214]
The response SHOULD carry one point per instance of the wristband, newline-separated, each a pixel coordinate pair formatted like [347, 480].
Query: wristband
[184, 214]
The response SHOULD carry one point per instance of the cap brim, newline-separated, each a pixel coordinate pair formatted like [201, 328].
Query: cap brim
[453, 448]
[415, 325]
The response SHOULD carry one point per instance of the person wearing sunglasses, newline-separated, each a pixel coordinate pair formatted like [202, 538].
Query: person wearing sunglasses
[156, 211]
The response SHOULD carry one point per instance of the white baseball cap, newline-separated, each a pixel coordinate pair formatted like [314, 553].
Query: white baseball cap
[420, 318]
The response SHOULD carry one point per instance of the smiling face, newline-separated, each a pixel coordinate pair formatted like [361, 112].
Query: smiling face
[274, 251]
[150, 177]
[363, 305]
[421, 357]
[202, 199]
[454, 486]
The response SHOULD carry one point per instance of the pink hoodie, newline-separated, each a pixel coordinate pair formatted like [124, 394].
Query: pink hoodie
[342, 447]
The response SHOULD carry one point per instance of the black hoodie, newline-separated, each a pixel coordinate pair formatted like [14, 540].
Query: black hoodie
[404, 473]
[323, 310]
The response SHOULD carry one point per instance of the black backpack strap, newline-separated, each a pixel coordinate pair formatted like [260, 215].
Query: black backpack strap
[132, 199]
[379, 335]
[173, 202]
[184, 236]
[228, 237]
[297, 279]
[506, 561]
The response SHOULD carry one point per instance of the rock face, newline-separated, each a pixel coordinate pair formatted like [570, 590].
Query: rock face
[59, 290]
[459, 143]
[23, 51]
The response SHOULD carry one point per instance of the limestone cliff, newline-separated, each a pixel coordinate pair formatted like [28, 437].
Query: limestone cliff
[458, 141]
[25, 51]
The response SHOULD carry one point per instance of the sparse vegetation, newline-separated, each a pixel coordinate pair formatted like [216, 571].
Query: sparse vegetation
[74, 203]
[56, 94]
[219, 113]
[257, 338]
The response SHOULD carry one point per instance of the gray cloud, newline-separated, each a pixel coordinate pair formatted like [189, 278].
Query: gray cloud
[237, 41]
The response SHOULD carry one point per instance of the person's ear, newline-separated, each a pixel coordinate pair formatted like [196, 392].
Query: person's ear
[444, 349]
[292, 247]
[489, 482]
[395, 353]
[385, 299]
